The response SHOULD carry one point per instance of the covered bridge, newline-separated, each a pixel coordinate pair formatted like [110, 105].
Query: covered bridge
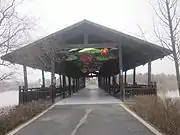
[84, 48]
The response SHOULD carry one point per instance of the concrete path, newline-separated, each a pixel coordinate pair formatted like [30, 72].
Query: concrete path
[90, 95]
[88, 112]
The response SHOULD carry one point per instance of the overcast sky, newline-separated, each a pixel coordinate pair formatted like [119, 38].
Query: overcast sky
[121, 15]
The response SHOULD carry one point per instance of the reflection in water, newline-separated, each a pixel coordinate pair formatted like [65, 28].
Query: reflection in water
[9, 98]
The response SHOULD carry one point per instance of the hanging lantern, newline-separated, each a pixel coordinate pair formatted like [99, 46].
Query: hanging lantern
[104, 52]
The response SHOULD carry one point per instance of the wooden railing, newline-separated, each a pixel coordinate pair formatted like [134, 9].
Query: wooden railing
[46, 93]
[131, 90]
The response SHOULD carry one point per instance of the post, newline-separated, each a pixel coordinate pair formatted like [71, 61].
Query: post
[43, 79]
[114, 85]
[134, 75]
[109, 84]
[52, 72]
[20, 96]
[52, 80]
[121, 87]
[64, 85]
[149, 73]
[125, 77]
[74, 85]
[60, 81]
[25, 78]
[69, 79]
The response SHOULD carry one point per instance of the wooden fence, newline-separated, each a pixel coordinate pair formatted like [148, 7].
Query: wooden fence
[130, 89]
[47, 93]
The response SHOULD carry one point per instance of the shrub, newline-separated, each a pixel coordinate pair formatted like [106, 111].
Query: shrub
[11, 117]
[164, 114]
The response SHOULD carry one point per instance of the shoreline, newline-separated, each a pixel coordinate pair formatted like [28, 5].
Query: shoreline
[6, 91]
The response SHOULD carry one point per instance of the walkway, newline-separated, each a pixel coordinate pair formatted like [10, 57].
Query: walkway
[88, 112]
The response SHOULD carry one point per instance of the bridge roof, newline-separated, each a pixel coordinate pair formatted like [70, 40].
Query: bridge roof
[37, 54]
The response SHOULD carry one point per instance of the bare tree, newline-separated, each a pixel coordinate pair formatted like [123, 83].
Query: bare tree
[13, 29]
[168, 32]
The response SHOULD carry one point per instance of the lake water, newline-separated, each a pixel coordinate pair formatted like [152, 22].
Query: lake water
[10, 98]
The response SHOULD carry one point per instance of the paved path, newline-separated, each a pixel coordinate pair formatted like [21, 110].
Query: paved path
[88, 112]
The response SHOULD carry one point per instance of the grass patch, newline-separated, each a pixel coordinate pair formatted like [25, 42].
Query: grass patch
[11, 117]
[163, 114]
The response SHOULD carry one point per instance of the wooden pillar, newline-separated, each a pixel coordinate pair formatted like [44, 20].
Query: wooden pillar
[60, 81]
[76, 84]
[74, 87]
[109, 84]
[69, 79]
[43, 79]
[25, 78]
[84, 81]
[121, 87]
[52, 72]
[125, 77]
[149, 73]
[105, 84]
[52, 80]
[114, 84]
[134, 75]
[64, 86]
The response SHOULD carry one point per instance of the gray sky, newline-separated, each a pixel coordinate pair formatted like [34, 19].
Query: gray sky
[122, 15]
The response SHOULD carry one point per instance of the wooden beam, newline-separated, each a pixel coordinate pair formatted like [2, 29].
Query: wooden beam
[25, 78]
[149, 72]
[101, 45]
[121, 74]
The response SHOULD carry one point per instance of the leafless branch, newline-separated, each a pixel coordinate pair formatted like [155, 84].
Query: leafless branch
[12, 29]
[167, 14]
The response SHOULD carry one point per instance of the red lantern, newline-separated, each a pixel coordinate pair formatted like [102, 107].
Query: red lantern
[104, 51]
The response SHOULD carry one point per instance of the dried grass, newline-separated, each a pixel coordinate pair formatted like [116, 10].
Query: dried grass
[164, 114]
[11, 117]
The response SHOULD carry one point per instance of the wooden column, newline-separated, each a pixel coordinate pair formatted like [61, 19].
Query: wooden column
[74, 87]
[105, 83]
[109, 84]
[43, 79]
[52, 80]
[25, 78]
[114, 84]
[125, 77]
[52, 72]
[122, 90]
[60, 81]
[149, 72]
[69, 79]
[76, 81]
[64, 85]
[134, 75]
